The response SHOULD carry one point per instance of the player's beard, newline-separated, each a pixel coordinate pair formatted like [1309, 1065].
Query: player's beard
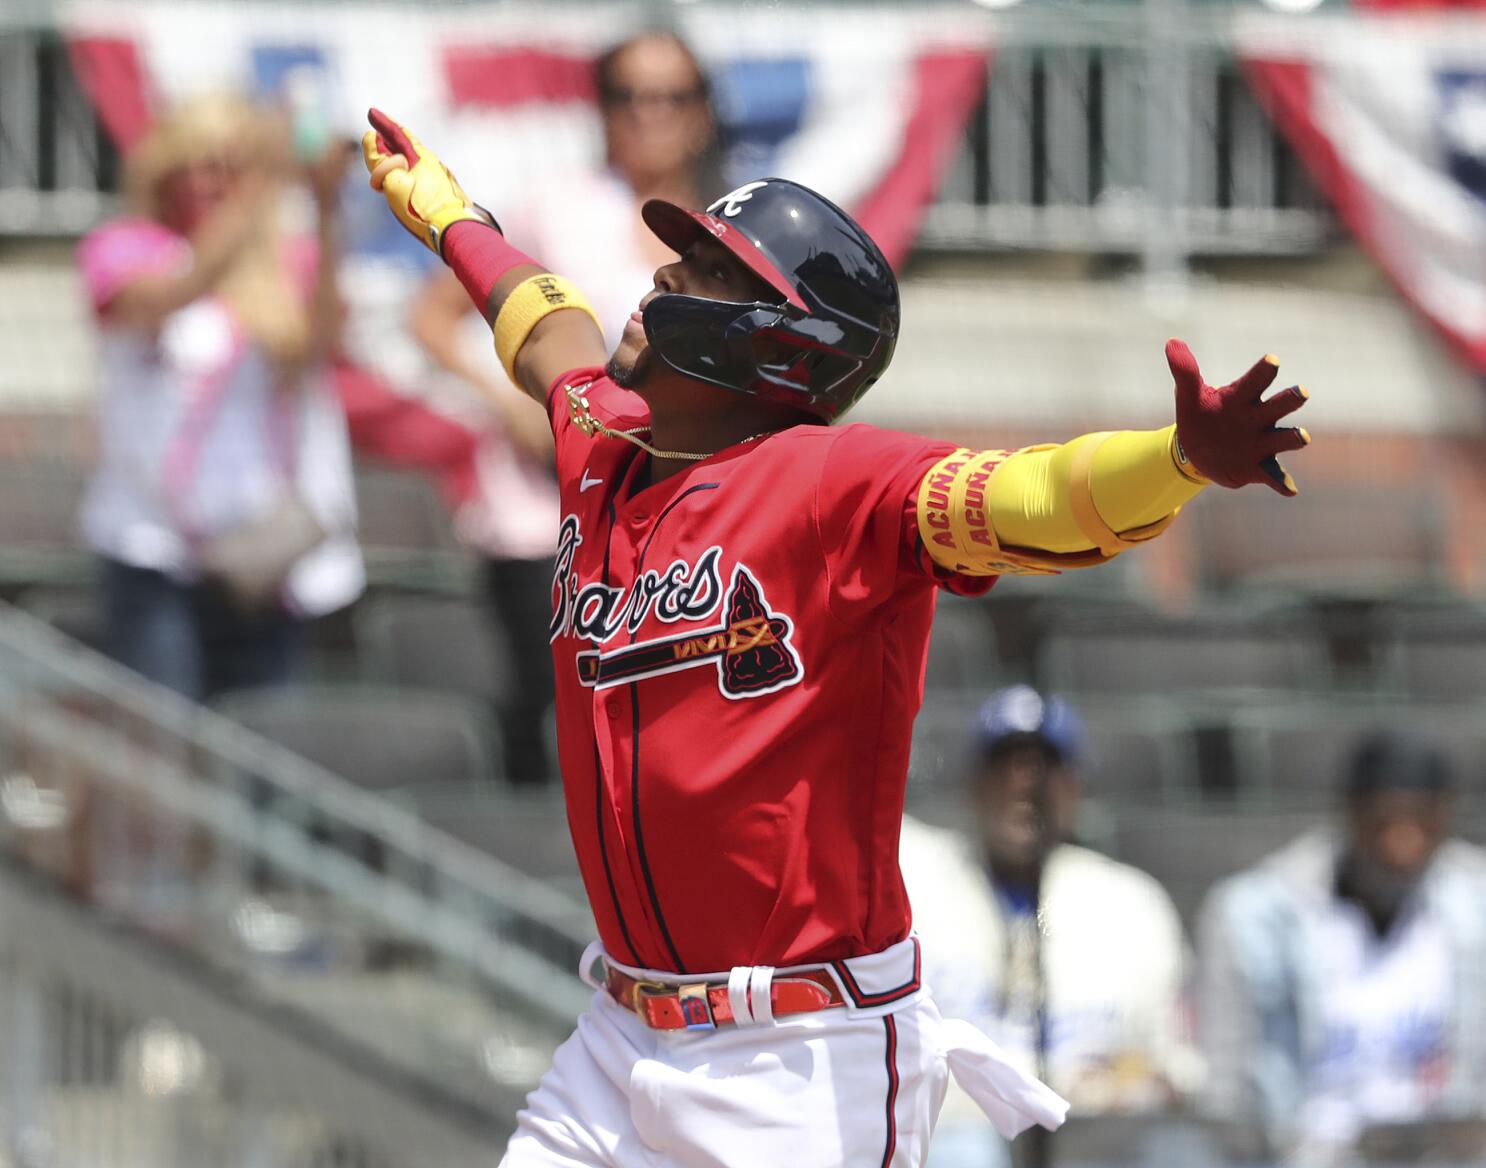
[628, 372]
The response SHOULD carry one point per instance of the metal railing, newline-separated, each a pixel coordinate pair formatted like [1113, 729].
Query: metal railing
[1120, 128]
[115, 1054]
[1117, 148]
[58, 171]
[400, 955]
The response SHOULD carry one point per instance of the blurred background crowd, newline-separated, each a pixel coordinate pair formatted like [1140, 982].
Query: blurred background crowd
[284, 877]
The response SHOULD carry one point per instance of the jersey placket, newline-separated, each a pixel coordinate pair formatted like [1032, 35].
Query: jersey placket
[616, 722]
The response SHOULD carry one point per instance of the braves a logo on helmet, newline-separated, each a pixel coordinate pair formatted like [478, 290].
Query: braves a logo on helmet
[732, 202]
[751, 649]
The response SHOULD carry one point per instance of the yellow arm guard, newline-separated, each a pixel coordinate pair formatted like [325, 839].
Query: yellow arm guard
[1046, 508]
[528, 303]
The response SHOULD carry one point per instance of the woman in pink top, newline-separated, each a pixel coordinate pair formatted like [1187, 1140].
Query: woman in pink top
[219, 444]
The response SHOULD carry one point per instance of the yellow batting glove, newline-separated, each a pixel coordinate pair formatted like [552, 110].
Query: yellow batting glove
[424, 196]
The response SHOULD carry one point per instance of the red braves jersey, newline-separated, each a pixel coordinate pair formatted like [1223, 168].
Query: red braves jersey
[740, 653]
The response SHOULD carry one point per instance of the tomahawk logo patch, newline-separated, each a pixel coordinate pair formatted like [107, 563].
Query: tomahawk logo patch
[750, 649]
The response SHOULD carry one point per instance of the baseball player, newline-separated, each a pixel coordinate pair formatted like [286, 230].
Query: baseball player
[741, 613]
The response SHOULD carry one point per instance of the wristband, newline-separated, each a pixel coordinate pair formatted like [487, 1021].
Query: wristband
[529, 302]
[479, 255]
[1183, 464]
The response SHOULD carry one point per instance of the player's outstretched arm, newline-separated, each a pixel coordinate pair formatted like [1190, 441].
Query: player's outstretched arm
[1079, 504]
[536, 340]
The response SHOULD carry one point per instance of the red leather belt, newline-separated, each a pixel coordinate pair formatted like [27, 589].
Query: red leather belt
[706, 1005]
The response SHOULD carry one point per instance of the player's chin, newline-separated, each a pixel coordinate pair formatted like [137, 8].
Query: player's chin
[627, 366]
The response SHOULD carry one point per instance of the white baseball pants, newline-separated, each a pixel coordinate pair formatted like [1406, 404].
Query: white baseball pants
[850, 1086]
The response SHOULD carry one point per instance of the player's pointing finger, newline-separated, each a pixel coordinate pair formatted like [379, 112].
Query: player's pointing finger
[394, 135]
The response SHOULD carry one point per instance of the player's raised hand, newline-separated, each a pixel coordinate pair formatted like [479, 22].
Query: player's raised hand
[424, 196]
[1229, 433]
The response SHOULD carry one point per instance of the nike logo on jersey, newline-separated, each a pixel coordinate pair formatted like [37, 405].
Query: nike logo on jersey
[587, 482]
[751, 649]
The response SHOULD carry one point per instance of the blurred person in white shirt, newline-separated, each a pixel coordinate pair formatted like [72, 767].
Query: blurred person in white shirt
[655, 104]
[221, 504]
[1073, 962]
[1343, 979]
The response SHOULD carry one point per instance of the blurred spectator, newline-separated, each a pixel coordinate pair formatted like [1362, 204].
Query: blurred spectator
[1343, 979]
[659, 143]
[658, 139]
[222, 504]
[1073, 962]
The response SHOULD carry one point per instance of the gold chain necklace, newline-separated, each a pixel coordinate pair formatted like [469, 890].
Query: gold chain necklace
[582, 415]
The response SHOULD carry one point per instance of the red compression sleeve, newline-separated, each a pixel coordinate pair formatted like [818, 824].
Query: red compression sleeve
[480, 256]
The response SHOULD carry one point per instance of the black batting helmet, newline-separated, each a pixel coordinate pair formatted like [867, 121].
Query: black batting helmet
[830, 339]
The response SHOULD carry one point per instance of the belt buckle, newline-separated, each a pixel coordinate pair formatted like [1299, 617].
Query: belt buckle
[691, 1000]
[696, 1010]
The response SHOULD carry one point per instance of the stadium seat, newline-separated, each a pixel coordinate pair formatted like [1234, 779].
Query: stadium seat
[1103, 1140]
[393, 742]
[405, 533]
[526, 829]
[1355, 541]
[74, 609]
[1026, 610]
[1299, 751]
[1144, 752]
[1436, 656]
[1197, 655]
[39, 500]
[962, 651]
[435, 644]
[1188, 850]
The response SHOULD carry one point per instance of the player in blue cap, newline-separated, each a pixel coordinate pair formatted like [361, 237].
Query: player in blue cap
[1072, 961]
[1026, 784]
